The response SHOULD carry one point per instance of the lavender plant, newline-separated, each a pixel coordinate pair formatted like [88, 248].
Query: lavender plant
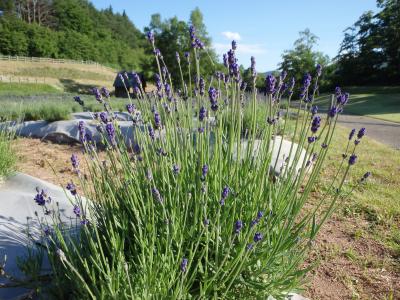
[192, 205]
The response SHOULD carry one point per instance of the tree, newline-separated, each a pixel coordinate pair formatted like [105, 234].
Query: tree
[172, 35]
[370, 51]
[302, 58]
[196, 19]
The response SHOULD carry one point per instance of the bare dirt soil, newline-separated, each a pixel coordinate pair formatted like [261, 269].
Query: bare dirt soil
[349, 262]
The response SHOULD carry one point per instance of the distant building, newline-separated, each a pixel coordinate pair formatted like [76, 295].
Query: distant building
[121, 86]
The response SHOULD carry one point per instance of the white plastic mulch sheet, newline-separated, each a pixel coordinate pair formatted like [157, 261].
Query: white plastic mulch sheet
[17, 211]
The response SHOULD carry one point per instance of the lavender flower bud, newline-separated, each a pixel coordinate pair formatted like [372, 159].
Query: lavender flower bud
[332, 111]
[318, 70]
[258, 237]
[352, 159]
[130, 108]
[225, 60]
[103, 117]
[105, 92]
[151, 132]
[77, 210]
[316, 122]
[202, 113]
[270, 82]
[204, 170]
[97, 94]
[150, 37]
[71, 187]
[176, 169]
[311, 139]
[361, 133]
[74, 161]
[238, 226]
[110, 131]
[234, 45]
[184, 264]
[314, 110]
[157, 120]
[351, 135]
[156, 195]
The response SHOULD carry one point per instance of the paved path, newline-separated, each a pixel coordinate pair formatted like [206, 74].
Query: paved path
[382, 131]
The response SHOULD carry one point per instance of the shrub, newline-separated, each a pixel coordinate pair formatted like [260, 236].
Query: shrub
[185, 210]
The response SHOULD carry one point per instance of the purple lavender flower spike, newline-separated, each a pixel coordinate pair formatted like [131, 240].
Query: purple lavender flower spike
[234, 45]
[204, 170]
[183, 265]
[150, 37]
[110, 131]
[82, 131]
[314, 110]
[352, 159]
[176, 169]
[238, 226]
[74, 161]
[130, 108]
[157, 120]
[103, 117]
[77, 210]
[151, 132]
[365, 176]
[318, 70]
[258, 237]
[351, 135]
[332, 111]
[316, 122]
[206, 222]
[156, 195]
[253, 67]
[97, 94]
[40, 198]
[200, 130]
[202, 86]
[225, 60]
[105, 92]
[270, 82]
[71, 187]
[361, 133]
[311, 139]
[202, 113]
[225, 192]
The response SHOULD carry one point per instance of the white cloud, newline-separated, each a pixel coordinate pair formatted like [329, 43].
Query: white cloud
[231, 35]
[251, 49]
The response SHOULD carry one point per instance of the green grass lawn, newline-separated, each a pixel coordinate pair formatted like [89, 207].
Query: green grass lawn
[376, 102]
[26, 89]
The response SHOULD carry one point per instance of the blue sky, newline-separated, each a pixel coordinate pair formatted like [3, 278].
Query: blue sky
[262, 28]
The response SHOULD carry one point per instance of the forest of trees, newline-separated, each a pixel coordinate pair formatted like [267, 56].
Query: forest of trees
[72, 29]
[75, 29]
[370, 51]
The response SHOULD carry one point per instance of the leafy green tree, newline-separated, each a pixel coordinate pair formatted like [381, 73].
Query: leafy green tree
[303, 58]
[370, 51]
[42, 41]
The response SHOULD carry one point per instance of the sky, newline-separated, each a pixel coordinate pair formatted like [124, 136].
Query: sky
[262, 28]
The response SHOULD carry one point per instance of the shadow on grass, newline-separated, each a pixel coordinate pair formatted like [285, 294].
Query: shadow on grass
[71, 86]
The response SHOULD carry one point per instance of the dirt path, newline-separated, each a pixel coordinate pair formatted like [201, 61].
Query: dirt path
[382, 131]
